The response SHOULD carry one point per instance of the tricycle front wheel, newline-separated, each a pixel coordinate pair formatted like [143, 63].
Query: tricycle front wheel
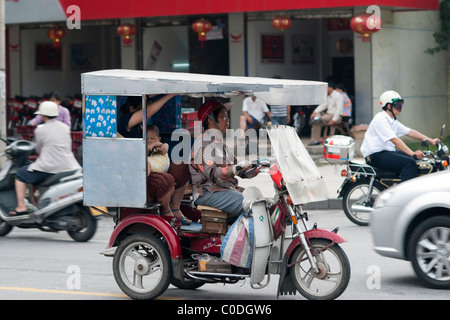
[142, 266]
[334, 270]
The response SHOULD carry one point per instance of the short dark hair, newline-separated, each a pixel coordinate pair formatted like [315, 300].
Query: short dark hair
[153, 127]
[55, 94]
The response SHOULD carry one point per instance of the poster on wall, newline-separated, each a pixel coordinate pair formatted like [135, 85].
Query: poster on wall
[272, 48]
[303, 49]
[152, 59]
[83, 55]
[48, 57]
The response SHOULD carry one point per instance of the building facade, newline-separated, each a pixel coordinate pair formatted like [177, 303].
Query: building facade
[318, 44]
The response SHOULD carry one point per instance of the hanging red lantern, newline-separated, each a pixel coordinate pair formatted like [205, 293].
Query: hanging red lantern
[201, 27]
[281, 22]
[56, 34]
[365, 24]
[126, 31]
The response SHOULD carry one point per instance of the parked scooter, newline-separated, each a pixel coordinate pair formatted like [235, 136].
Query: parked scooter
[363, 183]
[58, 201]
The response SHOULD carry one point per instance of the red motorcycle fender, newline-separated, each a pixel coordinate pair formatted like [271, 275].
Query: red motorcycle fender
[142, 223]
[285, 283]
[315, 233]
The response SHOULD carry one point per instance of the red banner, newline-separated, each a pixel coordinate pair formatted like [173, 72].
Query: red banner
[114, 9]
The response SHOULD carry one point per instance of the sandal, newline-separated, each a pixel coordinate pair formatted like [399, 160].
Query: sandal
[18, 213]
[167, 212]
[184, 221]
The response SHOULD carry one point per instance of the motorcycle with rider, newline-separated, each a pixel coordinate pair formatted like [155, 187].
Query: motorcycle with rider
[388, 160]
[45, 193]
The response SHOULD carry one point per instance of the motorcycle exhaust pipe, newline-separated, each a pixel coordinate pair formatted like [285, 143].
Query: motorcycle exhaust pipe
[360, 208]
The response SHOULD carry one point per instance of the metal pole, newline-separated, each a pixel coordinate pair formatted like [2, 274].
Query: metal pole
[2, 76]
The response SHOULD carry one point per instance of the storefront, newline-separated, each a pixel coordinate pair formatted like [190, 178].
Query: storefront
[318, 44]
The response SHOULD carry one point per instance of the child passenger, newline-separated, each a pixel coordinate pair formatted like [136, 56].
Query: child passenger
[166, 182]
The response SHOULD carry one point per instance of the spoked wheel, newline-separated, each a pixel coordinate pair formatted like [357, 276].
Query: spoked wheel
[430, 251]
[355, 204]
[142, 266]
[334, 271]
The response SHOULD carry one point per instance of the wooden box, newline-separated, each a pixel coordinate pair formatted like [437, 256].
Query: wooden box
[213, 220]
[218, 266]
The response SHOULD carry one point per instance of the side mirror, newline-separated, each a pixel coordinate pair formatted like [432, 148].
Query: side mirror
[442, 131]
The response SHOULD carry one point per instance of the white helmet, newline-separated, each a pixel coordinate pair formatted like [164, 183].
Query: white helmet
[389, 97]
[48, 108]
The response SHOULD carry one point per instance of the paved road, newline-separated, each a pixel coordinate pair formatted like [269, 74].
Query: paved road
[38, 265]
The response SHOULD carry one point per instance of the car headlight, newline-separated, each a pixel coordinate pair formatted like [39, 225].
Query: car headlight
[382, 199]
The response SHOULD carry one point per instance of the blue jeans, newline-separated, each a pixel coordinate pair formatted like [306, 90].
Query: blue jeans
[395, 161]
[229, 201]
[279, 120]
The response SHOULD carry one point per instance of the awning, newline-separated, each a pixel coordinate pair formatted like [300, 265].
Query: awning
[29, 11]
[110, 9]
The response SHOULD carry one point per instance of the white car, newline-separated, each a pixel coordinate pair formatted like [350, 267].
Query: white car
[411, 221]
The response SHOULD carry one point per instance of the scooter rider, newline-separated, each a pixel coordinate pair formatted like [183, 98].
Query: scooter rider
[54, 146]
[383, 137]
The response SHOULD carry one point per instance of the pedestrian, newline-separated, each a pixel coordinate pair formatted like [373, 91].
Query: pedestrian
[280, 114]
[254, 110]
[64, 113]
[327, 114]
[348, 107]
[383, 138]
[54, 146]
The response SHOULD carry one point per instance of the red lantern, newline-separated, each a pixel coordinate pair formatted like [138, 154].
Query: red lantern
[201, 27]
[126, 31]
[365, 24]
[281, 23]
[56, 34]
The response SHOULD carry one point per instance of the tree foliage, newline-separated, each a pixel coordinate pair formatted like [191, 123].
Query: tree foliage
[442, 38]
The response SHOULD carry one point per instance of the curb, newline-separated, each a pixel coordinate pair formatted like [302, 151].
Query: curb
[330, 204]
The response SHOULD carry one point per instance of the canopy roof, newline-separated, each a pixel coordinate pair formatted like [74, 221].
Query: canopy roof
[136, 82]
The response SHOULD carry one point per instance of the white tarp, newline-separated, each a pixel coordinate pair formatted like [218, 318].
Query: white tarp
[301, 175]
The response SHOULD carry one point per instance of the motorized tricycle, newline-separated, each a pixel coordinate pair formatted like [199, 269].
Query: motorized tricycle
[151, 251]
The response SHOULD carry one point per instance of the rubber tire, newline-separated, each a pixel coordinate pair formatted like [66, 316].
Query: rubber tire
[5, 228]
[419, 231]
[164, 255]
[88, 232]
[339, 255]
[348, 190]
[187, 284]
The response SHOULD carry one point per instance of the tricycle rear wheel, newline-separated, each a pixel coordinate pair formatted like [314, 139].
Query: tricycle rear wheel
[142, 266]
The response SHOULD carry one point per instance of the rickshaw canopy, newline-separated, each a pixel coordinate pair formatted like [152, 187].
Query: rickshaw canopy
[115, 167]
[137, 82]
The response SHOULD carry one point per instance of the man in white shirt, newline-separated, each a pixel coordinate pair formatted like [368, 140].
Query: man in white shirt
[327, 114]
[383, 138]
[254, 110]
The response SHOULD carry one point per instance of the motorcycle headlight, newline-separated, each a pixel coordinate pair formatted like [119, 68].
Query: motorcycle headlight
[382, 199]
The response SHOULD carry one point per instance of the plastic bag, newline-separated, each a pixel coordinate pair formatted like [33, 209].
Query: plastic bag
[237, 246]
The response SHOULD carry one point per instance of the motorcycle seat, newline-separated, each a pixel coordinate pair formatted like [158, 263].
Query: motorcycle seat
[386, 173]
[55, 178]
